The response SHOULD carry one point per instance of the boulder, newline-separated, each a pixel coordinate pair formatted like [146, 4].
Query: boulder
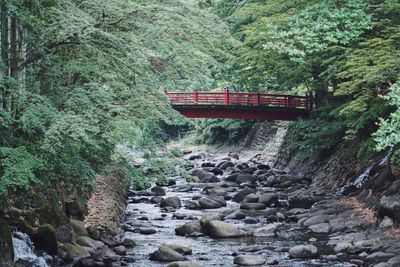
[248, 260]
[174, 202]
[217, 171]
[268, 199]
[204, 176]
[129, 243]
[79, 227]
[167, 254]
[268, 230]
[189, 228]
[212, 202]
[236, 215]
[205, 219]
[304, 201]
[246, 178]
[251, 198]
[225, 164]
[182, 249]
[239, 196]
[158, 191]
[120, 250]
[219, 229]
[215, 191]
[321, 218]
[183, 264]
[89, 242]
[303, 252]
[252, 206]
[65, 234]
[320, 228]
[390, 206]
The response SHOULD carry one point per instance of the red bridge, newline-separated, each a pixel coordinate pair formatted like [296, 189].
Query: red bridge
[240, 105]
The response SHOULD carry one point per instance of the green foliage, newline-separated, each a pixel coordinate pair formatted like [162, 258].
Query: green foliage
[388, 134]
[18, 170]
[221, 131]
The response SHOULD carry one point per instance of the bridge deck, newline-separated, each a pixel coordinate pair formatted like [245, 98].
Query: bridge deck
[240, 105]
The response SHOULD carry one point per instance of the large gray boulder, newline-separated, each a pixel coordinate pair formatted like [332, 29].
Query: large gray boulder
[189, 228]
[183, 264]
[390, 206]
[204, 176]
[248, 260]
[268, 230]
[239, 197]
[174, 202]
[268, 199]
[246, 178]
[205, 219]
[220, 229]
[167, 254]
[303, 252]
[212, 202]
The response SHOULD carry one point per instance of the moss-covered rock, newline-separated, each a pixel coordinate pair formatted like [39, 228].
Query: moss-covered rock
[44, 238]
[6, 246]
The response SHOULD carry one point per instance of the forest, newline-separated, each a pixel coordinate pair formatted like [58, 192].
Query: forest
[81, 78]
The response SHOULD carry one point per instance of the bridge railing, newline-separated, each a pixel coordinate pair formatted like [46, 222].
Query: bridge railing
[239, 99]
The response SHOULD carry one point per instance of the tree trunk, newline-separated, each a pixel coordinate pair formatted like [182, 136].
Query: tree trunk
[4, 51]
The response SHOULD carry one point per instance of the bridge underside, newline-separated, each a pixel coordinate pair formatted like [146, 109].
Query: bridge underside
[242, 112]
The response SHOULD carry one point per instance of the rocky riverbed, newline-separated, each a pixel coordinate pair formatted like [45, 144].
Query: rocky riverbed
[240, 212]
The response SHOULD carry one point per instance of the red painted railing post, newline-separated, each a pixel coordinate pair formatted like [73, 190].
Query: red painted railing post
[226, 97]
[258, 98]
[196, 98]
[288, 101]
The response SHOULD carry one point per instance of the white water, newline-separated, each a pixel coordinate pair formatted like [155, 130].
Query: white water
[24, 251]
[365, 176]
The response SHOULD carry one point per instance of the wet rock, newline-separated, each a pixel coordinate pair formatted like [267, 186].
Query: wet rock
[225, 164]
[236, 215]
[215, 191]
[217, 171]
[173, 202]
[303, 252]
[129, 243]
[337, 224]
[268, 230]
[212, 202]
[110, 240]
[251, 220]
[183, 264]
[302, 201]
[290, 179]
[89, 242]
[239, 197]
[64, 234]
[189, 228]
[147, 231]
[252, 206]
[156, 200]
[251, 198]
[248, 260]
[246, 178]
[268, 199]
[184, 188]
[195, 156]
[192, 205]
[205, 219]
[158, 191]
[106, 253]
[184, 250]
[120, 250]
[79, 227]
[321, 218]
[84, 262]
[167, 254]
[207, 164]
[395, 261]
[220, 229]
[390, 206]
[204, 176]
[321, 228]
[379, 256]
[343, 246]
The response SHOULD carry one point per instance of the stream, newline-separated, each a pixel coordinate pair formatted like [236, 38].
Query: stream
[151, 226]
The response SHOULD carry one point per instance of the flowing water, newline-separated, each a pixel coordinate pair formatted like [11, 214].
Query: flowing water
[208, 251]
[24, 251]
